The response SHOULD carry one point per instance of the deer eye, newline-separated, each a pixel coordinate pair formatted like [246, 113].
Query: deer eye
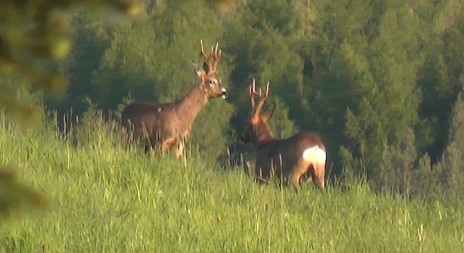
[211, 82]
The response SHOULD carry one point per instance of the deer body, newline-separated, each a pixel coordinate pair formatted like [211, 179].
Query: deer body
[290, 159]
[168, 126]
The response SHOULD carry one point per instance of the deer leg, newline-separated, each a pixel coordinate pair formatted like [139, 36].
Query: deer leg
[180, 149]
[258, 172]
[148, 149]
[168, 144]
[298, 172]
[261, 174]
[248, 167]
[295, 181]
[317, 174]
[321, 173]
[148, 146]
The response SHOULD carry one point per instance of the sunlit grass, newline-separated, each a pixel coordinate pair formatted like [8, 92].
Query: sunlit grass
[107, 197]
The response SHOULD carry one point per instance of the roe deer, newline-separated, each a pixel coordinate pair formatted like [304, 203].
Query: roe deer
[290, 159]
[168, 126]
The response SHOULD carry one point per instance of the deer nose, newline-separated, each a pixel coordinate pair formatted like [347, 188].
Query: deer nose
[223, 93]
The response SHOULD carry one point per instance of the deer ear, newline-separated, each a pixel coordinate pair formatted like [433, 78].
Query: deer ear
[196, 70]
[267, 115]
[206, 67]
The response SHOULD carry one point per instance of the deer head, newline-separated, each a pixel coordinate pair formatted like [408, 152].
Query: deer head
[210, 82]
[256, 129]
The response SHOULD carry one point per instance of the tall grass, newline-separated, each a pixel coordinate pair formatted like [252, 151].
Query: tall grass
[109, 197]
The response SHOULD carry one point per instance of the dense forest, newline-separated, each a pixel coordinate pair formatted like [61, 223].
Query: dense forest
[380, 81]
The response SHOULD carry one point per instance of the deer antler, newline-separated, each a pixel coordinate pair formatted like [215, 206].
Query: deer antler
[215, 53]
[262, 98]
[253, 92]
[202, 53]
[217, 56]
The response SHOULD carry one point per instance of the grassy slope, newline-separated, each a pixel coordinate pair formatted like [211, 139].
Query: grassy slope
[106, 198]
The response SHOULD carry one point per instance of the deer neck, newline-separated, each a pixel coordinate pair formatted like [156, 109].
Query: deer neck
[192, 103]
[263, 135]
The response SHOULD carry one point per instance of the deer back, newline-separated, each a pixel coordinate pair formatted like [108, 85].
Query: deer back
[152, 119]
[284, 154]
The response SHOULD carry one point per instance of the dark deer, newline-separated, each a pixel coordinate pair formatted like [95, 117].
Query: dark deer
[290, 159]
[167, 126]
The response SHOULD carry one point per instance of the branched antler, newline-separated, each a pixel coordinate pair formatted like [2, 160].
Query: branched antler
[253, 93]
[262, 98]
[205, 57]
[215, 54]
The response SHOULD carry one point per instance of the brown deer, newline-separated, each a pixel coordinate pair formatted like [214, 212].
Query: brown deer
[290, 159]
[167, 126]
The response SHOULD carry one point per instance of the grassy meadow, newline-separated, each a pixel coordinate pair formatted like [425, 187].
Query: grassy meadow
[107, 197]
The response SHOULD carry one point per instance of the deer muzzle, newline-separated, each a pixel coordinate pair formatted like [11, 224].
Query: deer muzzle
[223, 93]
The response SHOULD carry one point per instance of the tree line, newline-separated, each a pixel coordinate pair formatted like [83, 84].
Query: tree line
[380, 81]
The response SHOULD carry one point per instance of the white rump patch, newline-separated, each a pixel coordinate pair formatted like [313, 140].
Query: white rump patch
[314, 154]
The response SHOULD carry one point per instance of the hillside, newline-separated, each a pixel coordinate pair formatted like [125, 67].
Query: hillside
[107, 197]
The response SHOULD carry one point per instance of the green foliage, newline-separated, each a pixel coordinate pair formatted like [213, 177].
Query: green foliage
[425, 181]
[33, 32]
[451, 164]
[92, 39]
[440, 82]
[380, 85]
[127, 64]
[280, 125]
[20, 100]
[211, 130]
[396, 165]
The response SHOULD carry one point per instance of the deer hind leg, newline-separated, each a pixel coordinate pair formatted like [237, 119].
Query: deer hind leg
[295, 181]
[317, 172]
[128, 131]
[298, 173]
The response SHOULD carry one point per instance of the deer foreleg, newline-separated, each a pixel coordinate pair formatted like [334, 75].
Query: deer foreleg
[180, 149]
[168, 144]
